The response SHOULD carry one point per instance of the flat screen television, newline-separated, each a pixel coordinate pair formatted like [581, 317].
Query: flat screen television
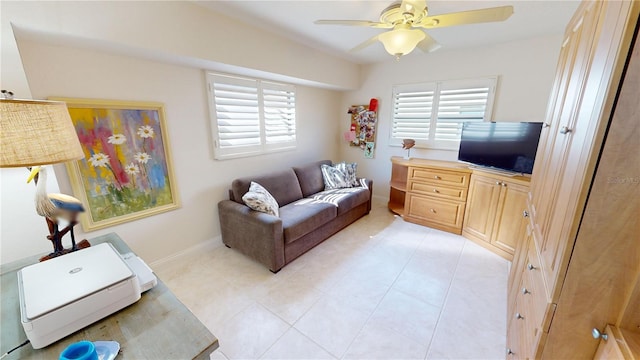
[508, 146]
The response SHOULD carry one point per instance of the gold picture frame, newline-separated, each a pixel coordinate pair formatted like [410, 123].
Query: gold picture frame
[127, 171]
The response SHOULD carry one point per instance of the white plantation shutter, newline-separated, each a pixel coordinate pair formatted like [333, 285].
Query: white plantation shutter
[412, 108]
[279, 113]
[250, 116]
[433, 113]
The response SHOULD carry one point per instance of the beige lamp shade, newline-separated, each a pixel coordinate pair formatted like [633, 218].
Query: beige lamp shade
[36, 133]
[401, 40]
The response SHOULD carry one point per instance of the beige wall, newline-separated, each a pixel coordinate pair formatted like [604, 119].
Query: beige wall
[146, 60]
[525, 68]
[201, 181]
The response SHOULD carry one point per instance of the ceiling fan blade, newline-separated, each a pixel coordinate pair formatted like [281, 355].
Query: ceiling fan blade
[415, 7]
[500, 13]
[369, 42]
[428, 44]
[372, 24]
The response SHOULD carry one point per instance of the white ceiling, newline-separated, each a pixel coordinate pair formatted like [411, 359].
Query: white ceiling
[294, 19]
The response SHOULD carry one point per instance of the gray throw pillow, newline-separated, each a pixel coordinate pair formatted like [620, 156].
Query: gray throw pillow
[334, 178]
[259, 199]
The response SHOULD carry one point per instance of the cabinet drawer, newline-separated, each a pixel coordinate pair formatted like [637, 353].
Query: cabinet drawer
[516, 346]
[448, 213]
[525, 318]
[537, 291]
[439, 177]
[458, 194]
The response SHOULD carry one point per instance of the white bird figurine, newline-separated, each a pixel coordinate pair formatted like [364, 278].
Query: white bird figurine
[54, 207]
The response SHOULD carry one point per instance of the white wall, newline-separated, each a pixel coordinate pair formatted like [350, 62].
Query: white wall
[526, 70]
[98, 72]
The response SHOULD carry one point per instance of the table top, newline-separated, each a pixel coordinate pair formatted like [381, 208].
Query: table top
[158, 326]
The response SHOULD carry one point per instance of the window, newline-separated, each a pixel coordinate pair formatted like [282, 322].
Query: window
[250, 116]
[433, 113]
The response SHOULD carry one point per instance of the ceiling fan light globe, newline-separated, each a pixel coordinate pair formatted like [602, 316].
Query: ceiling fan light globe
[400, 42]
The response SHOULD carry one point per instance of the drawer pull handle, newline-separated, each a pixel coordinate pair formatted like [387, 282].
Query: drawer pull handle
[525, 214]
[519, 316]
[436, 191]
[564, 130]
[531, 267]
[437, 177]
[525, 291]
[597, 334]
[498, 183]
[510, 352]
[433, 210]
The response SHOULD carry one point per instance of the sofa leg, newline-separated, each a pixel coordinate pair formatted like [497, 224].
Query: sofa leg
[227, 246]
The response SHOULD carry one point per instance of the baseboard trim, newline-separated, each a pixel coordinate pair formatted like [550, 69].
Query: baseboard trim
[382, 199]
[203, 246]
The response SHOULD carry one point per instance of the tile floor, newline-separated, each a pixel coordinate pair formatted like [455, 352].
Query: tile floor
[379, 289]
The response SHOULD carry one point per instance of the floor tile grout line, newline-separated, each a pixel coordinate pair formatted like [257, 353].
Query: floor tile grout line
[292, 326]
[378, 304]
[444, 303]
[385, 294]
[382, 237]
[325, 293]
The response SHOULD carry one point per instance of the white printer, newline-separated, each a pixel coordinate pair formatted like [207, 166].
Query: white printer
[64, 294]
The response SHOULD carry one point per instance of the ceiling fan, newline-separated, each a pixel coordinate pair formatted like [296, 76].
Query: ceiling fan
[405, 18]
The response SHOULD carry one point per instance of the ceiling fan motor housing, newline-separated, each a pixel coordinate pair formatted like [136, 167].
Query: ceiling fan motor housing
[394, 14]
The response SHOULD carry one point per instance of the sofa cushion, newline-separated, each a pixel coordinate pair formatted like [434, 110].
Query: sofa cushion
[259, 199]
[304, 216]
[345, 199]
[310, 177]
[282, 185]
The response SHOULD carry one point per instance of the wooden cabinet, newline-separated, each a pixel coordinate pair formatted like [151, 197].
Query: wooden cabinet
[583, 252]
[397, 187]
[495, 205]
[446, 195]
[435, 192]
[437, 195]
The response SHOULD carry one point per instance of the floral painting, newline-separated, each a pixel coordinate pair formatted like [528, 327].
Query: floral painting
[126, 171]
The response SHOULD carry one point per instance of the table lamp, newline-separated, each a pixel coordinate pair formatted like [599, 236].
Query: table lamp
[34, 133]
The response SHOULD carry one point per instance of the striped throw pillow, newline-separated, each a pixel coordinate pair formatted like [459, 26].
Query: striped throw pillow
[334, 178]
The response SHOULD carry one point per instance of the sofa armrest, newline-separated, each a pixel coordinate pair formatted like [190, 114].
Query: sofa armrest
[253, 233]
[370, 186]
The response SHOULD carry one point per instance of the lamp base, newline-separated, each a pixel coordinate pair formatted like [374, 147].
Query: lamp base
[81, 245]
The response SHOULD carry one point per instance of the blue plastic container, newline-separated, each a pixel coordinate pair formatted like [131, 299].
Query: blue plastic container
[82, 350]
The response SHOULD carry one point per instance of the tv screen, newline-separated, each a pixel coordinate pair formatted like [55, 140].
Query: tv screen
[509, 146]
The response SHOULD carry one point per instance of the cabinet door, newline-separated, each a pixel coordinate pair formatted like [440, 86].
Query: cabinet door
[509, 226]
[482, 202]
[552, 205]
[614, 347]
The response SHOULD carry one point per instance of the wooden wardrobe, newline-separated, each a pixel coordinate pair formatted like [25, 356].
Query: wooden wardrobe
[577, 271]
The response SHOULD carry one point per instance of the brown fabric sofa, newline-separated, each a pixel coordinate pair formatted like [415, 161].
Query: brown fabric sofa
[308, 214]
